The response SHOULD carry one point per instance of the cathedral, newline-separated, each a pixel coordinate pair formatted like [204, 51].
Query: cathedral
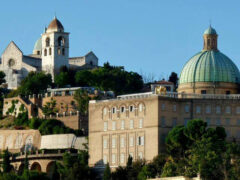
[50, 52]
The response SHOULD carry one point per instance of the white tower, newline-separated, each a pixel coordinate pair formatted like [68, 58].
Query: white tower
[55, 48]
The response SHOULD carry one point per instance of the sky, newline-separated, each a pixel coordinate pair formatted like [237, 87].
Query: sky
[146, 36]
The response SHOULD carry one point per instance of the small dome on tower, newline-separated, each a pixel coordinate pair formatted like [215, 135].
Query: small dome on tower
[210, 30]
[55, 26]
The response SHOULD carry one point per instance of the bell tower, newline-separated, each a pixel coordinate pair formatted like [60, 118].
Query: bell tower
[210, 39]
[55, 48]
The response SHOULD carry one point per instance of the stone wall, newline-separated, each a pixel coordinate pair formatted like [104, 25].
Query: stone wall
[15, 140]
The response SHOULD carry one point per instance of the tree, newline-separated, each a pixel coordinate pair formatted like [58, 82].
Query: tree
[62, 79]
[2, 77]
[107, 173]
[6, 165]
[110, 78]
[82, 98]
[174, 78]
[50, 108]
[35, 83]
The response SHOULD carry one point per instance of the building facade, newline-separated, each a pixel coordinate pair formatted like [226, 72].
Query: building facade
[50, 52]
[137, 124]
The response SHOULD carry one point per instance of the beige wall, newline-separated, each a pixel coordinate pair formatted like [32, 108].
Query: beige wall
[211, 88]
[159, 116]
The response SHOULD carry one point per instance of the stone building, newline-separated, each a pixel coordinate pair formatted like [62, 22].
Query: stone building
[51, 51]
[43, 151]
[137, 124]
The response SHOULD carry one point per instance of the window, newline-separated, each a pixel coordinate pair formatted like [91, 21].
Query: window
[208, 42]
[122, 109]
[105, 143]
[63, 51]
[114, 125]
[163, 137]
[131, 108]
[174, 122]
[208, 109]
[131, 141]
[238, 110]
[104, 111]
[122, 157]
[105, 159]
[238, 122]
[140, 155]
[113, 142]
[47, 42]
[174, 107]
[203, 92]
[140, 123]
[198, 109]
[163, 121]
[163, 107]
[113, 110]
[218, 122]
[185, 121]
[50, 51]
[208, 121]
[45, 52]
[228, 92]
[218, 110]
[105, 126]
[122, 142]
[131, 124]
[122, 124]
[228, 110]
[113, 158]
[227, 121]
[140, 140]
[59, 51]
[186, 108]
[140, 107]
[38, 52]
[91, 63]
[60, 41]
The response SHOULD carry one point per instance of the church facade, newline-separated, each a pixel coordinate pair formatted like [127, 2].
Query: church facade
[51, 51]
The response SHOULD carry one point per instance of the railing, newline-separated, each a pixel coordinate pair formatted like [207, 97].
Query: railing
[179, 96]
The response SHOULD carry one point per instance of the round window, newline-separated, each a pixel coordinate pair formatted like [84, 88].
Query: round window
[11, 63]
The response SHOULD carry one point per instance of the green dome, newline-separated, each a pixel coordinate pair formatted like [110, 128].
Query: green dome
[209, 66]
[210, 30]
[38, 45]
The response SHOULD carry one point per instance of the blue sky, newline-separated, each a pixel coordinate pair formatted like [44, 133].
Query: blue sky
[153, 36]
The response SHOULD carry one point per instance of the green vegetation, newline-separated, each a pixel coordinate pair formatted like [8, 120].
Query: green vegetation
[109, 78]
[82, 99]
[191, 150]
[8, 172]
[50, 108]
[34, 83]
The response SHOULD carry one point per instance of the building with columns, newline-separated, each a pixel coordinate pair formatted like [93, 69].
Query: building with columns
[137, 124]
[51, 51]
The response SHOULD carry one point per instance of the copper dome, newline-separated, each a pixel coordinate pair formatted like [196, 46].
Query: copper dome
[55, 26]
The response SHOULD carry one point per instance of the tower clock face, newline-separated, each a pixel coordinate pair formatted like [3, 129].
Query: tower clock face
[11, 63]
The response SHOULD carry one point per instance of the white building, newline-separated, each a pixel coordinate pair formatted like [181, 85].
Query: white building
[51, 51]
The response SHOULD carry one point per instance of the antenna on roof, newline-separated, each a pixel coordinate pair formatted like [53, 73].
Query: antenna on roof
[55, 15]
[210, 22]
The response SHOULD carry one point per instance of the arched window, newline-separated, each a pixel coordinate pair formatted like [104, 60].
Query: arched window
[47, 42]
[91, 63]
[208, 42]
[60, 41]
[50, 51]
[45, 52]
[63, 51]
